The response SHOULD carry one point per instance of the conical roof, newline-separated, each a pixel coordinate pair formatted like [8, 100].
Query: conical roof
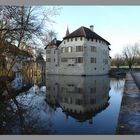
[67, 32]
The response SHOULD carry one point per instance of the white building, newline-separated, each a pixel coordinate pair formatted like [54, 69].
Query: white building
[82, 52]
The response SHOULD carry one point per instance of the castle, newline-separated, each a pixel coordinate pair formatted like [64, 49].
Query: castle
[82, 52]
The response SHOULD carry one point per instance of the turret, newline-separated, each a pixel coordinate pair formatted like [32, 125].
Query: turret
[67, 31]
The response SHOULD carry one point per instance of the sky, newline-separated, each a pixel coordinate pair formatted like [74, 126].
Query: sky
[119, 25]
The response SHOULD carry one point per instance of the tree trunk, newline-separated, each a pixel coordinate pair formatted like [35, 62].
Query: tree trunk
[130, 66]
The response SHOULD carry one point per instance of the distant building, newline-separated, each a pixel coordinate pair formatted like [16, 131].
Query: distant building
[40, 63]
[82, 52]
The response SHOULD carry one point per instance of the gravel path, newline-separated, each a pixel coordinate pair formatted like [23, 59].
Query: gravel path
[129, 116]
[136, 76]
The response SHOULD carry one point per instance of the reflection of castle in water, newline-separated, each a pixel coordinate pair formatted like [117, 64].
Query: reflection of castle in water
[79, 97]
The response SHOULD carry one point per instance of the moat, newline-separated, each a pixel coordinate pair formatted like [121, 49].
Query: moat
[62, 105]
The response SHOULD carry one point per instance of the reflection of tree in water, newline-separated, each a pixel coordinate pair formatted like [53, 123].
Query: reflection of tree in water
[79, 97]
[21, 110]
[117, 84]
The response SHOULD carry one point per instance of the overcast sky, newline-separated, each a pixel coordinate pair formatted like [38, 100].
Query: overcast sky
[120, 25]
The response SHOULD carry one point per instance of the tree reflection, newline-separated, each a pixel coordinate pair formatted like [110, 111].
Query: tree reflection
[117, 83]
[22, 108]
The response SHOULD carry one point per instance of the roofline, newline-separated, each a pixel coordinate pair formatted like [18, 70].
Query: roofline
[67, 37]
[85, 37]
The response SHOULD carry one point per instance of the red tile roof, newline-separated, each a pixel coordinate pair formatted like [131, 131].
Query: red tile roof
[85, 32]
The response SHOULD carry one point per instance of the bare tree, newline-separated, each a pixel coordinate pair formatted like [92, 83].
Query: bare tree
[118, 60]
[19, 24]
[22, 25]
[50, 35]
[130, 54]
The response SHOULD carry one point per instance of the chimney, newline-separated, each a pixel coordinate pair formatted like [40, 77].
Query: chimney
[91, 27]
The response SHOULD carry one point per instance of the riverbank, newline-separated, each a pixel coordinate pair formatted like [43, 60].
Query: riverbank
[129, 117]
[117, 73]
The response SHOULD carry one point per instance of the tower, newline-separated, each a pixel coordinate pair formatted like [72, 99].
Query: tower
[67, 31]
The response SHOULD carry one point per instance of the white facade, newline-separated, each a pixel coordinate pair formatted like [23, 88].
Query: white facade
[91, 58]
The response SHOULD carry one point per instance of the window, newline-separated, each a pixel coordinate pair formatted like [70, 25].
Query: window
[54, 59]
[78, 102]
[78, 90]
[48, 59]
[69, 49]
[67, 40]
[81, 38]
[93, 49]
[92, 101]
[48, 51]
[79, 60]
[105, 52]
[93, 60]
[79, 49]
[64, 60]
[105, 61]
[75, 39]
[64, 42]
[62, 50]
[71, 39]
[66, 49]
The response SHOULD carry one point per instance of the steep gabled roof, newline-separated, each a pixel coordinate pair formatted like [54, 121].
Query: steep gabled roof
[54, 42]
[85, 32]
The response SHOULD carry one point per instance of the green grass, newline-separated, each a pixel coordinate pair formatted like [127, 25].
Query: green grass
[126, 67]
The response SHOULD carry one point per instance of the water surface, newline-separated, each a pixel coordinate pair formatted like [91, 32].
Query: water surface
[63, 105]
